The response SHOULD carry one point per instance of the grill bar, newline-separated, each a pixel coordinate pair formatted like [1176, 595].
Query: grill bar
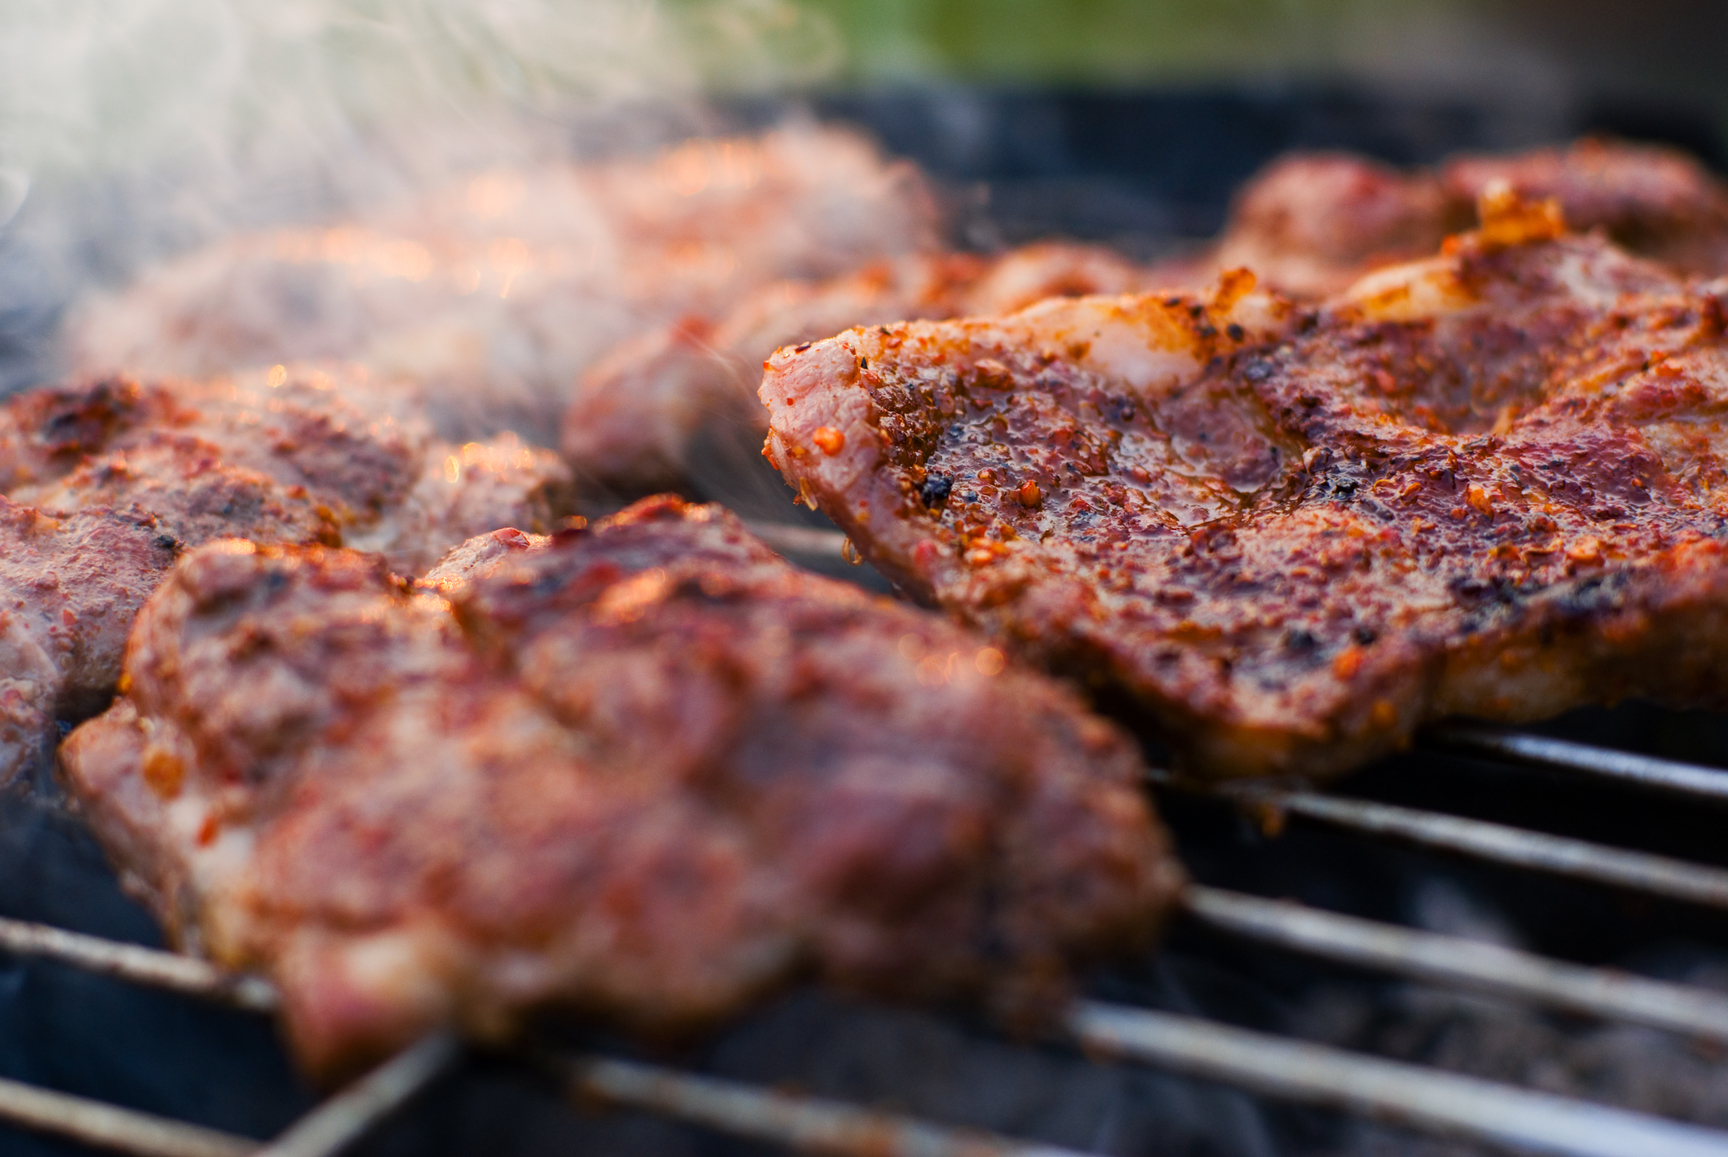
[1689, 779]
[362, 1106]
[1467, 964]
[138, 964]
[807, 1124]
[1389, 1091]
[1500, 843]
[1403, 1094]
[112, 1127]
[789, 538]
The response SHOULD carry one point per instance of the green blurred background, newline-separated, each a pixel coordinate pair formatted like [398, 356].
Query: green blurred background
[110, 83]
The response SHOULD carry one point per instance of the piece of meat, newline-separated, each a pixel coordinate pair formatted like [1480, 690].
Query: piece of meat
[1310, 224]
[646, 772]
[1654, 201]
[107, 480]
[287, 454]
[492, 296]
[69, 588]
[1493, 483]
[634, 416]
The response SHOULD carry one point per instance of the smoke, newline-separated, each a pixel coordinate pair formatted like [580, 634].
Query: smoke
[92, 86]
[134, 129]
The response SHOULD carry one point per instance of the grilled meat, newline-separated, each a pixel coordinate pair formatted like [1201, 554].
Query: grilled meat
[1656, 202]
[635, 413]
[646, 771]
[1491, 483]
[69, 588]
[492, 297]
[1310, 224]
[108, 480]
[288, 454]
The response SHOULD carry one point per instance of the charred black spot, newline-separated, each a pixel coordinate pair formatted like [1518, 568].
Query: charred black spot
[935, 490]
[1235, 331]
[1365, 636]
[1593, 596]
[1472, 588]
[1297, 639]
[168, 543]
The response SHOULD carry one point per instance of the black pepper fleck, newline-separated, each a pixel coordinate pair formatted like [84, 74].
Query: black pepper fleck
[935, 490]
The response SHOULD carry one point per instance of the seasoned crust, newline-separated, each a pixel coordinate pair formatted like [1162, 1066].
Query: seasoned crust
[646, 772]
[1490, 483]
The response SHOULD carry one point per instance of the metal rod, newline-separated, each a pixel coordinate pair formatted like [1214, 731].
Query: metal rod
[1498, 843]
[1389, 1091]
[134, 962]
[790, 539]
[1692, 1012]
[362, 1106]
[112, 1127]
[1623, 766]
[807, 1124]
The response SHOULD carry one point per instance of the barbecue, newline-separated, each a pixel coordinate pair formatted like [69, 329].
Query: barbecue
[1106, 1027]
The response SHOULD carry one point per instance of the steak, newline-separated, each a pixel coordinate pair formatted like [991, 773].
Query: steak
[1310, 224]
[69, 589]
[648, 772]
[108, 480]
[492, 295]
[1491, 483]
[635, 418]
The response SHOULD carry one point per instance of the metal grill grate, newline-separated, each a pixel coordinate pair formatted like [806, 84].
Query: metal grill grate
[1409, 1095]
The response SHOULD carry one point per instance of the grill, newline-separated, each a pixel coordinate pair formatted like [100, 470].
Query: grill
[1412, 1096]
[1135, 171]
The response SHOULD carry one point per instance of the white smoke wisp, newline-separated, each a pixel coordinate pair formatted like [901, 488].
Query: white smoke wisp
[115, 85]
[134, 129]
